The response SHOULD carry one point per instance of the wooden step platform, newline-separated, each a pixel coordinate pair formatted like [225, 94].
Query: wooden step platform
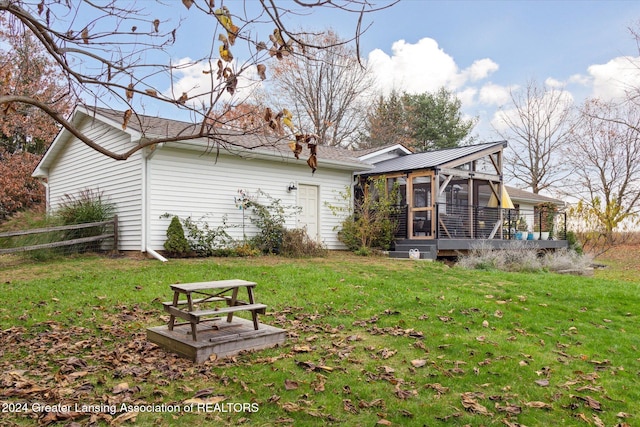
[220, 338]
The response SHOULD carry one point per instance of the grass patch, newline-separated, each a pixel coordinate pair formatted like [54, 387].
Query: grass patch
[369, 338]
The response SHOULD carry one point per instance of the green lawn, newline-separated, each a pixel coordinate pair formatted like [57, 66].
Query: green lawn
[371, 340]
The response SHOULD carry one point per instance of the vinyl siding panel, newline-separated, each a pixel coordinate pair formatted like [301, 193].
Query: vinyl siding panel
[78, 167]
[197, 185]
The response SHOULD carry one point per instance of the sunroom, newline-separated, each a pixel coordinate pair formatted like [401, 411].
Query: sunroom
[449, 199]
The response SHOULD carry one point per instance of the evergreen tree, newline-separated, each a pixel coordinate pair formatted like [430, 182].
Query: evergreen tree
[426, 121]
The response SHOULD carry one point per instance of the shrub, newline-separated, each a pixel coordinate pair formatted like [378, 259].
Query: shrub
[176, 243]
[566, 259]
[270, 220]
[88, 206]
[371, 224]
[574, 243]
[522, 257]
[205, 240]
[245, 250]
[296, 243]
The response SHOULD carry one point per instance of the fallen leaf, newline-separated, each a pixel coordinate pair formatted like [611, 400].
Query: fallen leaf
[290, 385]
[126, 416]
[418, 363]
[386, 353]
[597, 421]
[120, 388]
[542, 383]
[438, 388]
[590, 401]
[208, 400]
[471, 404]
[538, 405]
[349, 407]
[509, 409]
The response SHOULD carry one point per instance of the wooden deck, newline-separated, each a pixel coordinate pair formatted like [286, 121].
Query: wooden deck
[216, 340]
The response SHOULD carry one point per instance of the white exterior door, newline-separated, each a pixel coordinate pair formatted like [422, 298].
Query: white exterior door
[308, 202]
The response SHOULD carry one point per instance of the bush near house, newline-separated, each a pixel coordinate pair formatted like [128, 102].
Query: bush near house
[176, 243]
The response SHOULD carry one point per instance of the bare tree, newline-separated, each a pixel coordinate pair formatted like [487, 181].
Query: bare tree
[325, 89]
[537, 126]
[605, 153]
[111, 54]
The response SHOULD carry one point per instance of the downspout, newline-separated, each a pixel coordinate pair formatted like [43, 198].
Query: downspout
[156, 255]
[145, 207]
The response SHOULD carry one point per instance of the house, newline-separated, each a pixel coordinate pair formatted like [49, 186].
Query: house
[194, 179]
[449, 199]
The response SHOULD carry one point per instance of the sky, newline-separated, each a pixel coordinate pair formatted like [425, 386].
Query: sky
[481, 50]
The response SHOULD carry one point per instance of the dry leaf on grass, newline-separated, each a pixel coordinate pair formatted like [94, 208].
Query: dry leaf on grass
[538, 405]
[470, 403]
[418, 363]
[290, 385]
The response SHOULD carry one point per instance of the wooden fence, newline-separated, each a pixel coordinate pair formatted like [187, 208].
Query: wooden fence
[113, 235]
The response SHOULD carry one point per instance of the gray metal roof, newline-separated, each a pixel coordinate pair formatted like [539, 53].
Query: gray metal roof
[427, 159]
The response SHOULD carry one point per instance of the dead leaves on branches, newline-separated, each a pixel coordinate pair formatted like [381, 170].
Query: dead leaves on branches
[277, 122]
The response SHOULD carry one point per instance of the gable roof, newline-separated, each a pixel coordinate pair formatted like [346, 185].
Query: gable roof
[235, 143]
[429, 159]
[367, 153]
[527, 196]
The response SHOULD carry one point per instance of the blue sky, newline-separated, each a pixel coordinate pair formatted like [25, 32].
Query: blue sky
[478, 49]
[575, 46]
[482, 49]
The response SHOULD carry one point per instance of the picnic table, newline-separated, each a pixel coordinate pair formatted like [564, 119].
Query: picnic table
[216, 292]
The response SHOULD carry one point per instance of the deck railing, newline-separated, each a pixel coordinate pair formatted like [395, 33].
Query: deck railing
[482, 222]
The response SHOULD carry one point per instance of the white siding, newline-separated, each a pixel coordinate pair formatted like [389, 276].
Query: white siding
[192, 184]
[79, 167]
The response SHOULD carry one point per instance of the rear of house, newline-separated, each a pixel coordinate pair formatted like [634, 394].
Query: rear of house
[192, 180]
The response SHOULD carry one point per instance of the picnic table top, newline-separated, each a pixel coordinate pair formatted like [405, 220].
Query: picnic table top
[216, 284]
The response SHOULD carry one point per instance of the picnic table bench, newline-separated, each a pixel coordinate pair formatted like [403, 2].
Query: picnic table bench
[211, 292]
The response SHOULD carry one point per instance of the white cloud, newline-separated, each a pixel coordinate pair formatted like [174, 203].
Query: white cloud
[493, 94]
[615, 78]
[554, 83]
[424, 67]
[190, 78]
[480, 69]
[467, 96]
[579, 79]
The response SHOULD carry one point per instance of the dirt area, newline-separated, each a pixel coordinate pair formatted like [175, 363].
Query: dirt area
[623, 263]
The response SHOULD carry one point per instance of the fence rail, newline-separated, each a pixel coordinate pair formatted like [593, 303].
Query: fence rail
[68, 242]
